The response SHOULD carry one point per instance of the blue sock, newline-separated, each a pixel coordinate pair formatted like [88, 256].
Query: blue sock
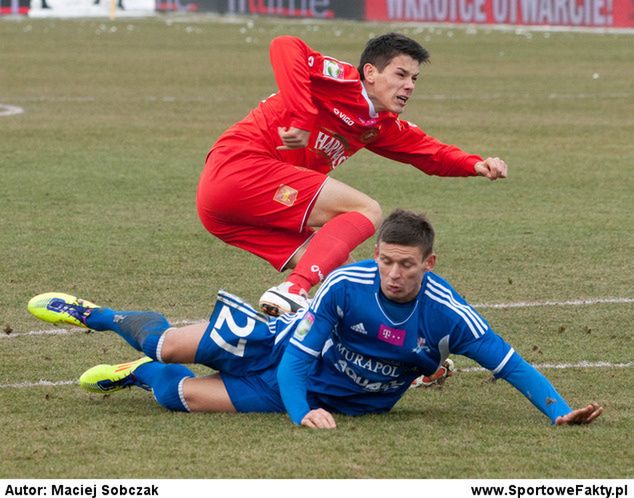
[165, 381]
[136, 327]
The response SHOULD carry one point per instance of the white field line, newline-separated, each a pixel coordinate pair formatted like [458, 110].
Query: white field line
[562, 366]
[222, 98]
[525, 96]
[10, 110]
[542, 366]
[75, 330]
[58, 98]
[39, 383]
[574, 302]
[519, 304]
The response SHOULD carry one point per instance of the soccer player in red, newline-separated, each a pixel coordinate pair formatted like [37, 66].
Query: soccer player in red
[264, 187]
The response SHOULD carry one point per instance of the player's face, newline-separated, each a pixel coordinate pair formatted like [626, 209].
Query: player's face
[390, 89]
[401, 269]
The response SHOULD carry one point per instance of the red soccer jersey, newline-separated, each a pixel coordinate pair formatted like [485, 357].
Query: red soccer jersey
[326, 97]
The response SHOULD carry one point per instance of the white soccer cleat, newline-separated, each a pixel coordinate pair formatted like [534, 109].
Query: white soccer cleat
[438, 378]
[278, 300]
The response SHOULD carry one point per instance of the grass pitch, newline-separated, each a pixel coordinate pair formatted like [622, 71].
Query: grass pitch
[97, 198]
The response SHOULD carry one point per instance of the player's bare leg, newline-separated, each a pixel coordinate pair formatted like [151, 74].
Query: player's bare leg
[207, 394]
[174, 386]
[346, 217]
[179, 344]
[338, 198]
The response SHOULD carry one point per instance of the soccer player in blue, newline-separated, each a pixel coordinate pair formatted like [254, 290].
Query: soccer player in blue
[372, 328]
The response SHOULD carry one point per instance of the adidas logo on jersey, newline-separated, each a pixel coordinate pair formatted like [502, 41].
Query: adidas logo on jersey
[359, 328]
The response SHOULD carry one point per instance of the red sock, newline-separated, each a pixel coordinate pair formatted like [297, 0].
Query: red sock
[330, 247]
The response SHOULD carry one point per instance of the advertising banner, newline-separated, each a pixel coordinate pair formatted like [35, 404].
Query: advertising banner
[319, 9]
[90, 8]
[556, 13]
[570, 13]
[14, 7]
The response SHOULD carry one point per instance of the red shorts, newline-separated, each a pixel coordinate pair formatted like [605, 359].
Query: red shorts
[256, 202]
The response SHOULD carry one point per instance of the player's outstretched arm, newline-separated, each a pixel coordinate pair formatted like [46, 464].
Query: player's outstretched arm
[492, 168]
[584, 415]
[319, 419]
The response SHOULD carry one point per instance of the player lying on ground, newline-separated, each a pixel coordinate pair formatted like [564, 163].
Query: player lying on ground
[264, 187]
[372, 328]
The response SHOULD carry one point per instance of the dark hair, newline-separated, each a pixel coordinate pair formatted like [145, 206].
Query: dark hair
[407, 228]
[382, 49]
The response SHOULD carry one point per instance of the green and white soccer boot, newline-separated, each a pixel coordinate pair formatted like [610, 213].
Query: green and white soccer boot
[59, 308]
[103, 379]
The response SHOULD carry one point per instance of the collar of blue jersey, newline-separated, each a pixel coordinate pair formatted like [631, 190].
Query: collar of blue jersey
[396, 313]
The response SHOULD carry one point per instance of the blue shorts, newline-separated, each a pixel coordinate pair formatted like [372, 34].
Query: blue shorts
[246, 347]
[239, 340]
[260, 393]
[254, 393]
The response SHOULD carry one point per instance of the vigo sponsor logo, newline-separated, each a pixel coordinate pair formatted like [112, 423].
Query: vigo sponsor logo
[331, 147]
[396, 337]
[344, 117]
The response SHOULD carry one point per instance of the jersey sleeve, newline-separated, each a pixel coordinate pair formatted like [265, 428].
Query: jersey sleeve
[537, 388]
[471, 336]
[304, 349]
[292, 373]
[404, 142]
[290, 58]
[460, 329]
[495, 354]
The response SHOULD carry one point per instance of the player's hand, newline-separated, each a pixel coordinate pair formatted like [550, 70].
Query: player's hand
[319, 419]
[583, 415]
[293, 138]
[492, 167]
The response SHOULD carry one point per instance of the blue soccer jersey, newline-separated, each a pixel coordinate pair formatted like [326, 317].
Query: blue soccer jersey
[355, 352]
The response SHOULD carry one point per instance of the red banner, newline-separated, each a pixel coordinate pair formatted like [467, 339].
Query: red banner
[572, 13]
[13, 7]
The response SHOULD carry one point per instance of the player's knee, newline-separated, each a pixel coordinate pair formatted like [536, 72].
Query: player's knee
[194, 401]
[372, 211]
[168, 351]
[206, 394]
